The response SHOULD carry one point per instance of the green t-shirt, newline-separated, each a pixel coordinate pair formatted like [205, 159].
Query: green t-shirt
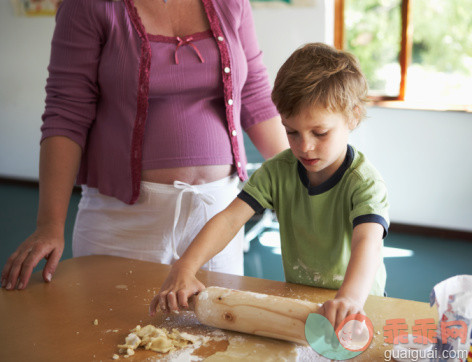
[316, 222]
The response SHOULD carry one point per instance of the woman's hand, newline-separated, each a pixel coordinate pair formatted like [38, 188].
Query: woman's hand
[337, 309]
[58, 165]
[180, 284]
[19, 266]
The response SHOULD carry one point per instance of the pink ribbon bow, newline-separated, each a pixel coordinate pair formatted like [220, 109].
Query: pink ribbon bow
[187, 41]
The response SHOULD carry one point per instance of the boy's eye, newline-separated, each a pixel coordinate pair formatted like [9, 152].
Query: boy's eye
[321, 134]
[290, 132]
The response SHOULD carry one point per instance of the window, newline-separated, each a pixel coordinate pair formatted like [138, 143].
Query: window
[419, 51]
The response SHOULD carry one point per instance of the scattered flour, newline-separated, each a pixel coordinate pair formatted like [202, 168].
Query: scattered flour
[252, 348]
[112, 330]
[303, 265]
[307, 354]
[184, 355]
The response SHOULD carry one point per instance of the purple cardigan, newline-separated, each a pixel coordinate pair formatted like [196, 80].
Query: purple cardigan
[97, 90]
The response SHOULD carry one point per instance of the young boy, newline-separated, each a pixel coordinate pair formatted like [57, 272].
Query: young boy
[330, 202]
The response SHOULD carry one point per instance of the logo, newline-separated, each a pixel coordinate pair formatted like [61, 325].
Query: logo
[350, 339]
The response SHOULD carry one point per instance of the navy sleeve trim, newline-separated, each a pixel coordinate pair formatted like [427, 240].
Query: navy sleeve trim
[251, 201]
[371, 218]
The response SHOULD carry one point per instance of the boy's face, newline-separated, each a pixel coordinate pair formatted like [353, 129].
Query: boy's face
[318, 139]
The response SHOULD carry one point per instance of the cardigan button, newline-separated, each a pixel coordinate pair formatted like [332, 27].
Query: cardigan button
[230, 102]
[234, 133]
[220, 38]
[227, 70]
[238, 165]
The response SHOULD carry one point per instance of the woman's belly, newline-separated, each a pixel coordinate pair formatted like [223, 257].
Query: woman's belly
[193, 175]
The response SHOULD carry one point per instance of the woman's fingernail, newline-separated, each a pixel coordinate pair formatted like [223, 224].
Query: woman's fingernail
[9, 286]
[48, 277]
[20, 286]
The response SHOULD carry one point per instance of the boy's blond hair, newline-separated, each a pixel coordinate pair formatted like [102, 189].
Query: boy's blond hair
[319, 75]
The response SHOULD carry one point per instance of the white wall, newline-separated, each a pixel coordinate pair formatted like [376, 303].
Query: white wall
[25, 46]
[281, 30]
[423, 155]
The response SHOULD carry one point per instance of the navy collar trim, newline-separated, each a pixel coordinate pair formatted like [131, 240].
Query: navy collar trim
[332, 181]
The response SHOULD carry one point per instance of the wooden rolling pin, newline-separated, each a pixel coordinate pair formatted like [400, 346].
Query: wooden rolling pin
[254, 313]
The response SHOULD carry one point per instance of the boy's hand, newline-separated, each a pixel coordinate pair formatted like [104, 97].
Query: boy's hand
[337, 309]
[177, 288]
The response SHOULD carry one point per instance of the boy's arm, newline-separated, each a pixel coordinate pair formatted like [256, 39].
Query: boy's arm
[215, 235]
[366, 256]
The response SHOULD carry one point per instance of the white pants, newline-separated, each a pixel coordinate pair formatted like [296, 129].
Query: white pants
[159, 226]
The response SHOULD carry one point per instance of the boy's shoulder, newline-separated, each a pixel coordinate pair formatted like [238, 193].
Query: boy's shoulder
[279, 167]
[361, 168]
[282, 159]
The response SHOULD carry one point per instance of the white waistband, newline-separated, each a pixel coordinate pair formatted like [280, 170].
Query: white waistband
[207, 187]
[202, 193]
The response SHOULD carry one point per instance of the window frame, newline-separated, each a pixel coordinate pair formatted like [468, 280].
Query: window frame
[405, 45]
[404, 60]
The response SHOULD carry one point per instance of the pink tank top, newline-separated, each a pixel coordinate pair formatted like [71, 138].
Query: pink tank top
[186, 123]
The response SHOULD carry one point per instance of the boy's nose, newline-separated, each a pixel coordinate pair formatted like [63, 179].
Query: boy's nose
[307, 145]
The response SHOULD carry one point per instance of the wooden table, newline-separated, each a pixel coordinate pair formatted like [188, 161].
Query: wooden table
[55, 321]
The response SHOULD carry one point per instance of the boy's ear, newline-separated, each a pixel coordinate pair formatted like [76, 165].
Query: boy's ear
[355, 118]
[353, 123]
